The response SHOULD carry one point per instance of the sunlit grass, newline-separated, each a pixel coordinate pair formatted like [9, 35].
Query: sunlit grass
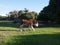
[29, 32]
[41, 36]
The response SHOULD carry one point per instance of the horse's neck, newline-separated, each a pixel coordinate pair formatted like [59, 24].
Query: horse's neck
[34, 21]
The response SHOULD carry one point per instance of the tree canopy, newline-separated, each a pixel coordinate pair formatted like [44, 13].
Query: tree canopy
[51, 12]
[22, 14]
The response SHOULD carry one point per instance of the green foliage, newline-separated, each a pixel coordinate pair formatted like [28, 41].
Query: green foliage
[51, 12]
[22, 14]
[3, 18]
[8, 24]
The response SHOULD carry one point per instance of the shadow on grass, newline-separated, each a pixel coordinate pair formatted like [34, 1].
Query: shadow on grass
[39, 39]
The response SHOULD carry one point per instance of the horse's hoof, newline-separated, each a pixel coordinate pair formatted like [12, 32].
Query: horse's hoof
[21, 30]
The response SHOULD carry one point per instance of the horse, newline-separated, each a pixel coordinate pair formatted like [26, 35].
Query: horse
[29, 22]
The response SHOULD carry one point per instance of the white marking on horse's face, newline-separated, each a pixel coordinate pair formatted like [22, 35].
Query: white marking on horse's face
[36, 24]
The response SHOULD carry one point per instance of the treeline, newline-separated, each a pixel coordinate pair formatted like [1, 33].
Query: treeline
[22, 14]
[3, 18]
[50, 15]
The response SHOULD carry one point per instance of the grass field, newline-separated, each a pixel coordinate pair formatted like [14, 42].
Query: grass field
[10, 35]
[42, 36]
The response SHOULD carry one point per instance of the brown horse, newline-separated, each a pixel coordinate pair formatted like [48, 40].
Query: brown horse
[29, 22]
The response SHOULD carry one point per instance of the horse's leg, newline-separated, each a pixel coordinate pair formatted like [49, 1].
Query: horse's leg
[29, 27]
[32, 27]
[21, 28]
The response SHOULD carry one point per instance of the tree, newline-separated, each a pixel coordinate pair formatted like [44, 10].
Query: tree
[13, 14]
[22, 14]
[34, 15]
[51, 12]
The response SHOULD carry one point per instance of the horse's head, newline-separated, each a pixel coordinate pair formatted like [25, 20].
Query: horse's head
[36, 23]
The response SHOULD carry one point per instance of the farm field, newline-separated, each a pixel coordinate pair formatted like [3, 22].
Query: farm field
[42, 36]
[10, 35]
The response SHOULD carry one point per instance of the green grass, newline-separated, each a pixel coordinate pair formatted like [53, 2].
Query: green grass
[11, 35]
[42, 36]
[8, 24]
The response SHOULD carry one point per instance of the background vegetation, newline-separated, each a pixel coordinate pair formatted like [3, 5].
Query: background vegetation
[49, 16]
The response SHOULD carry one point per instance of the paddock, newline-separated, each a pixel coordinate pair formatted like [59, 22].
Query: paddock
[10, 35]
[42, 36]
